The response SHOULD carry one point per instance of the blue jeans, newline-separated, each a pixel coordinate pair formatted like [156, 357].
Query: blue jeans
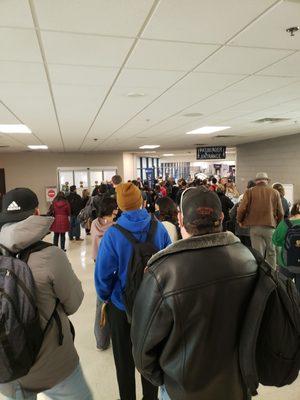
[164, 394]
[72, 388]
[74, 227]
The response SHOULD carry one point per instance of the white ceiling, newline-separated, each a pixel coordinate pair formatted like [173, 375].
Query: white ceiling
[66, 68]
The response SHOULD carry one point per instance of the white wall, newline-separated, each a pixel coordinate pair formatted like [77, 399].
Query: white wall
[129, 166]
[39, 170]
[280, 158]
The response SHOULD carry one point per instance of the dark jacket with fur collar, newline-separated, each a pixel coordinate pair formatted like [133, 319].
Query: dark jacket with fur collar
[188, 315]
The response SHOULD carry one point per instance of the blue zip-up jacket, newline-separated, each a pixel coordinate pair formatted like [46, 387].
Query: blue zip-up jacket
[115, 252]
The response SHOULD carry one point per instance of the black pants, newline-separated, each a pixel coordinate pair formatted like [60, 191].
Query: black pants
[62, 240]
[122, 349]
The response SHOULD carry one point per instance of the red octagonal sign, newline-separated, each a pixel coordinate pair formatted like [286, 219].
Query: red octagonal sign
[51, 193]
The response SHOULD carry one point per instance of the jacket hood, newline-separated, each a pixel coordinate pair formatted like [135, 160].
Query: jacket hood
[60, 203]
[135, 221]
[18, 236]
[197, 242]
[101, 226]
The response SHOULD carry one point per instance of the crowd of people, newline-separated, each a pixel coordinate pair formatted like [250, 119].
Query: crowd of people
[173, 270]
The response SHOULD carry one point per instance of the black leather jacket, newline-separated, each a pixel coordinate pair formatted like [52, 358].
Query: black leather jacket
[188, 315]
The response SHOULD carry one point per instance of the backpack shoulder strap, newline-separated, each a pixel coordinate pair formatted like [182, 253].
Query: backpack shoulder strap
[38, 246]
[264, 287]
[152, 229]
[288, 222]
[129, 236]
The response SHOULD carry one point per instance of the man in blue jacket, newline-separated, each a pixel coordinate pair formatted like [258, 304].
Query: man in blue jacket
[110, 279]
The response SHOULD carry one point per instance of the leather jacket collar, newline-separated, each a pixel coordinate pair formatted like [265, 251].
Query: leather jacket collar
[197, 242]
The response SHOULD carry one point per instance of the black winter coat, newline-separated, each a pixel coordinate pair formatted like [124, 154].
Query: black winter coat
[185, 331]
[76, 203]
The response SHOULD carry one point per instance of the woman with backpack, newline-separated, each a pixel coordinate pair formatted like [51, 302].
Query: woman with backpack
[107, 213]
[61, 211]
[280, 238]
[167, 213]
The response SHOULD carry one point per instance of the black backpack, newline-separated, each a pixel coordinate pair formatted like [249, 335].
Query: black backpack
[142, 252]
[269, 349]
[292, 247]
[21, 335]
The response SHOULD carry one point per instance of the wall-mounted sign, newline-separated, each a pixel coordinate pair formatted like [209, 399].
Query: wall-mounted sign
[211, 153]
[51, 193]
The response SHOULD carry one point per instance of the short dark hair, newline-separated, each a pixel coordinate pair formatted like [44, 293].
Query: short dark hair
[251, 184]
[296, 208]
[116, 179]
[214, 181]
[107, 207]
[102, 189]
[167, 209]
[72, 188]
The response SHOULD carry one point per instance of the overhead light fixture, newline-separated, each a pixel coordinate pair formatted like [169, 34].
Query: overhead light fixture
[135, 94]
[14, 128]
[37, 147]
[149, 152]
[168, 155]
[206, 130]
[150, 146]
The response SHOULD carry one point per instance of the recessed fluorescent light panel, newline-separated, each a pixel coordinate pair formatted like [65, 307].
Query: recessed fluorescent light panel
[168, 155]
[206, 130]
[14, 128]
[150, 146]
[37, 147]
[149, 152]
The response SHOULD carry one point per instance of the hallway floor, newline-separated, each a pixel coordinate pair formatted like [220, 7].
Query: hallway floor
[98, 366]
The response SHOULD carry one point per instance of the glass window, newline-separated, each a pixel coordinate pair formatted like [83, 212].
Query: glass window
[81, 180]
[107, 175]
[144, 162]
[65, 179]
[95, 178]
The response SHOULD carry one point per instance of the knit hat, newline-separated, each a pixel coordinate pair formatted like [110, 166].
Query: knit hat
[129, 197]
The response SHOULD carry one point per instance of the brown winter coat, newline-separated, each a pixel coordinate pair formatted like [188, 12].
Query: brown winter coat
[261, 206]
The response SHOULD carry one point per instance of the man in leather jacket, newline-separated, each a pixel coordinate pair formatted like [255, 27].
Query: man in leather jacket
[189, 310]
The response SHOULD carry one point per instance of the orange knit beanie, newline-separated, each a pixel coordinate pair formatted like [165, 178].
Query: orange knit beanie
[129, 197]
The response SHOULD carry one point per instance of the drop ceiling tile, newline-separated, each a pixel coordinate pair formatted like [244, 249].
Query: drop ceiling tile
[6, 117]
[203, 21]
[148, 78]
[32, 104]
[19, 45]
[15, 13]
[18, 72]
[77, 106]
[241, 60]
[173, 56]
[77, 75]
[104, 17]
[75, 49]
[286, 67]
[270, 30]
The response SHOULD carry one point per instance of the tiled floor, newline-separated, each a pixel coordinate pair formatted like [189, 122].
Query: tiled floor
[98, 366]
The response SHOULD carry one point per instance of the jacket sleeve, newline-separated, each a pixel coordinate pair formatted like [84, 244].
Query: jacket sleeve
[107, 265]
[280, 234]
[151, 323]
[279, 208]
[68, 209]
[67, 287]
[243, 207]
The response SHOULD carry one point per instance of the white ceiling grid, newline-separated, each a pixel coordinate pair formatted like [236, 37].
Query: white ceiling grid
[67, 67]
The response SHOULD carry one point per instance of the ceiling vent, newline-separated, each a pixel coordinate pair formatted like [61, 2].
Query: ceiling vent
[271, 120]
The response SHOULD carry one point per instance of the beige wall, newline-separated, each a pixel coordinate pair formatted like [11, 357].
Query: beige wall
[280, 158]
[38, 170]
[129, 166]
